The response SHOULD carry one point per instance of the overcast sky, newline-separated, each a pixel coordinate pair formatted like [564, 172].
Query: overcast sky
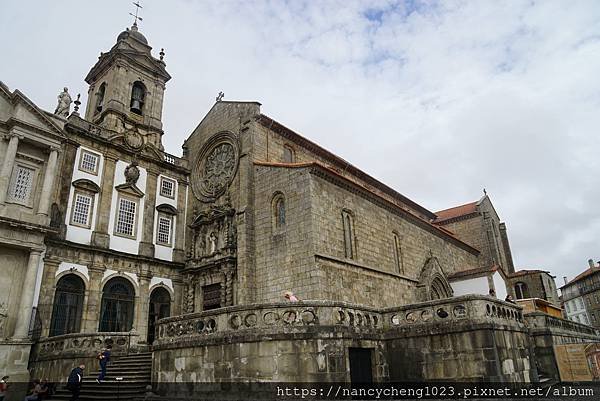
[436, 99]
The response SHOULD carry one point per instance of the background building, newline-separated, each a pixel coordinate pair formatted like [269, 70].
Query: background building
[581, 296]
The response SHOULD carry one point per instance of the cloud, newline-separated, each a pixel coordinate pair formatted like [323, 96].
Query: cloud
[436, 99]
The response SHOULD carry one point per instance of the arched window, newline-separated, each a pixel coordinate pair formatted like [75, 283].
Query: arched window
[160, 307]
[116, 313]
[138, 95]
[279, 217]
[68, 305]
[521, 290]
[349, 245]
[288, 154]
[100, 97]
[438, 289]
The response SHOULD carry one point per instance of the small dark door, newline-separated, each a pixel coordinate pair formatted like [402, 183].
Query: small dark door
[361, 370]
[160, 307]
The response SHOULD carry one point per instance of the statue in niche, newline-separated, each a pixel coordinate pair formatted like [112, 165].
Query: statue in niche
[213, 242]
[64, 103]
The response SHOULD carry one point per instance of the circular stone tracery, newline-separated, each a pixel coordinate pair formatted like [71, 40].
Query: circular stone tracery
[216, 167]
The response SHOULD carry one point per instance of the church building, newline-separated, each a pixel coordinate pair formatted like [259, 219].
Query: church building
[106, 239]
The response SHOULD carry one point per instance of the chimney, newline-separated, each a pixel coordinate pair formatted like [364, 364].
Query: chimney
[565, 279]
[591, 263]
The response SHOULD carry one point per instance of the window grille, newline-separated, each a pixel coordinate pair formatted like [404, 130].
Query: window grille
[167, 187]
[89, 162]
[164, 230]
[22, 182]
[126, 217]
[81, 209]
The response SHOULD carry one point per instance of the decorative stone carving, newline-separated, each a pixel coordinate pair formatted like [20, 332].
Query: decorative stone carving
[132, 173]
[134, 140]
[216, 167]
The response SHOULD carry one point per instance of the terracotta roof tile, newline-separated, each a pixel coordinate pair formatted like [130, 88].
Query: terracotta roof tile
[454, 212]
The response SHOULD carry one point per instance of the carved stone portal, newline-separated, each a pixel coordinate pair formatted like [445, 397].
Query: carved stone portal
[212, 259]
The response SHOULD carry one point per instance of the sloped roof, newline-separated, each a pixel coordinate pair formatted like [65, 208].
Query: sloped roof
[455, 212]
[337, 161]
[479, 271]
[524, 272]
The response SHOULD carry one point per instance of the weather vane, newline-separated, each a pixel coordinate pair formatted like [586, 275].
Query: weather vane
[135, 16]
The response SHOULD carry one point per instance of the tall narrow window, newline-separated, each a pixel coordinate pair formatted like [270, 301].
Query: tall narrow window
[126, 217]
[521, 290]
[398, 257]
[138, 95]
[83, 204]
[100, 97]
[164, 229]
[279, 213]
[22, 184]
[68, 305]
[349, 245]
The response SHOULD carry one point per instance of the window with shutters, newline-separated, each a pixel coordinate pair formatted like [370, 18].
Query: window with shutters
[21, 186]
[164, 227]
[126, 221]
[88, 162]
[82, 208]
[167, 187]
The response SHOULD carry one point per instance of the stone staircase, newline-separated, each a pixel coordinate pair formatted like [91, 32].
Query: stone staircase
[134, 369]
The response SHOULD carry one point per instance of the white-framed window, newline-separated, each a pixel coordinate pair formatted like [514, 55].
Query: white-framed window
[167, 187]
[164, 229]
[126, 217]
[81, 211]
[22, 184]
[88, 162]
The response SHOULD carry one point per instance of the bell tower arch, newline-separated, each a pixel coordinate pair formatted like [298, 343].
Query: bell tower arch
[126, 88]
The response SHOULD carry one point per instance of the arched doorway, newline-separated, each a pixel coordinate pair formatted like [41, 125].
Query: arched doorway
[160, 307]
[68, 305]
[116, 313]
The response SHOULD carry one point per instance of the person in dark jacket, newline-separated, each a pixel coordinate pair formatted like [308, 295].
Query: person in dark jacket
[74, 382]
[104, 358]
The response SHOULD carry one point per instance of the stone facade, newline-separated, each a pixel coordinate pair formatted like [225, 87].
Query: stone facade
[534, 284]
[581, 296]
[190, 257]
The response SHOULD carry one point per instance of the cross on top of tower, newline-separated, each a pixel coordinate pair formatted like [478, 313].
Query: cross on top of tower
[135, 16]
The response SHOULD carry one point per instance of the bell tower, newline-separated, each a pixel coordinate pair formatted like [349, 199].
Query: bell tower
[126, 89]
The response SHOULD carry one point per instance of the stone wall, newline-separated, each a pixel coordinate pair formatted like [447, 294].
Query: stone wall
[285, 255]
[539, 285]
[464, 338]
[547, 331]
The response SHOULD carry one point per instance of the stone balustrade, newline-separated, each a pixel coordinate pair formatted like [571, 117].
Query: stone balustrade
[539, 320]
[301, 315]
[83, 345]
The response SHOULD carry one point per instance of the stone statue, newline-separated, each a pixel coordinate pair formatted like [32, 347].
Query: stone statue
[213, 242]
[64, 103]
[132, 173]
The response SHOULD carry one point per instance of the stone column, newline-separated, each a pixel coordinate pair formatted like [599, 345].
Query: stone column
[147, 244]
[48, 182]
[141, 323]
[27, 290]
[100, 236]
[47, 292]
[7, 166]
[91, 310]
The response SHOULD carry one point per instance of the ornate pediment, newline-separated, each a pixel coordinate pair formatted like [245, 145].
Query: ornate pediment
[87, 185]
[165, 208]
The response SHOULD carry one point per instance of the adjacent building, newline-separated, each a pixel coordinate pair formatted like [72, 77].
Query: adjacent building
[581, 296]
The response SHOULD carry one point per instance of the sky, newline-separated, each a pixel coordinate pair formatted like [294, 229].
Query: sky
[438, 100]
